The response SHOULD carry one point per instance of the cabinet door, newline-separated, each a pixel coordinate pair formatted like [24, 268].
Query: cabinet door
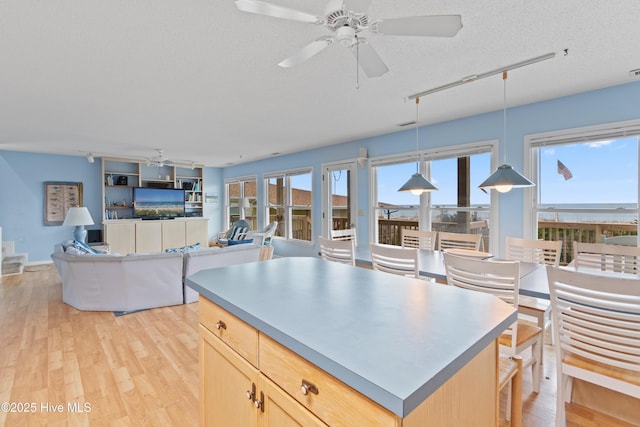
[173, 234]
[148, 237]
[226, 385]
[281, 410]
[198, 231]
[121, 237]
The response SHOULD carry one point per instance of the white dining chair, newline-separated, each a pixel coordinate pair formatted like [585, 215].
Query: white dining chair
[598, 256]
[395, 260]
[342, 251]
[597, 327]
[448, 240]
[419, 239]
[347, 234]
[500, 279]
[537, 252]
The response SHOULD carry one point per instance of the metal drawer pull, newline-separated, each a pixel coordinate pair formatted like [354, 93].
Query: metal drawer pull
[307, 387]
[260, 403]
[221, 325]
[251, 393]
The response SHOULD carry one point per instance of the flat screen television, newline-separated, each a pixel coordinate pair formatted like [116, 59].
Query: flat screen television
[158, 203]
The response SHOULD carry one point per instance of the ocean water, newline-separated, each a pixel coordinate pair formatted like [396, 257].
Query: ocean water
[602, 212]
[590, 212]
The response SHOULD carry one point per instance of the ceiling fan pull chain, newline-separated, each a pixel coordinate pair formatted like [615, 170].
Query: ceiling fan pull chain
[357, 63]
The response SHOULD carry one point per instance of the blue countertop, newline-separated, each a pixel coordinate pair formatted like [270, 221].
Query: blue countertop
[396, 340]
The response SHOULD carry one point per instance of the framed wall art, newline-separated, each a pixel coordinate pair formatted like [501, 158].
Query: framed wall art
[58, 198]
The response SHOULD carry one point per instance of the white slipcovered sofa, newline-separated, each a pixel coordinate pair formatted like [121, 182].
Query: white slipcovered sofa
[120, 283]
[195, 261]
[104, 282]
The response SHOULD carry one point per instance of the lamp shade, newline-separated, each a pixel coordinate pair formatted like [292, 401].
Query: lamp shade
[78, 216]
[417, 185]
[504, 179]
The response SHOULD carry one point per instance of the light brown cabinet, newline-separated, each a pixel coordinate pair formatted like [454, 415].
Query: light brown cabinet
[248, 379]
[233, 390]
[138, 236]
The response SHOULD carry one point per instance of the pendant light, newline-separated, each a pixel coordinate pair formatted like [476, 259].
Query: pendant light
[417, 184]
[505, 177]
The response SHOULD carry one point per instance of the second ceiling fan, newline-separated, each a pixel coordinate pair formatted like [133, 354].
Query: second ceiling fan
[346, 19]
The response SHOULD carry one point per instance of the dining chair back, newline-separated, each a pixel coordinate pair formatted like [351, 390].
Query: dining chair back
[448, 240]
[341, 251]
[419, 239]
[501, 279]
[535, 251]
[395, 260]
[598, 256]
[597, 327]
[347, 234]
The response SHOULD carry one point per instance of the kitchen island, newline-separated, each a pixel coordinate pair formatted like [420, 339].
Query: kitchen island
[306, 340]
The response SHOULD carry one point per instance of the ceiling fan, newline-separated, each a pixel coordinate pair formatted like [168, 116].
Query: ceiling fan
[347, 19]
[160, 160]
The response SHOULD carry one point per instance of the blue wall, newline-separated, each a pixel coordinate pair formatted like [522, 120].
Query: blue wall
[613, 104]
[22, 177]
[22, 174]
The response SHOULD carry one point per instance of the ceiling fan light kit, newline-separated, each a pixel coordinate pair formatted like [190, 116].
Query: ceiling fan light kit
[348, 22]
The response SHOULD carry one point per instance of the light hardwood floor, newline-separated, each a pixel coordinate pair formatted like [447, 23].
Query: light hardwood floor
[134, 370]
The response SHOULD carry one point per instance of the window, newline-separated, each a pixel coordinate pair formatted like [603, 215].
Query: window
[586, 184]
[241, 202]
[339, 201]
[458, 205]
[289, 201]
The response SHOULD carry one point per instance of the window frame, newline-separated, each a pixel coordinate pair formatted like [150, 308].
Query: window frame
[424, 206]
[241, 180]
[533, 142]
[288, 207]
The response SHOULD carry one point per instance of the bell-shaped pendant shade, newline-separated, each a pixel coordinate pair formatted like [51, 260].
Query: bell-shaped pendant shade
[504, 179]
[417, 185]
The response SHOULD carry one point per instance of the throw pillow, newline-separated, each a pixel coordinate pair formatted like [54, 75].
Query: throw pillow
[76, 247]
[193, 247]
[238, 233]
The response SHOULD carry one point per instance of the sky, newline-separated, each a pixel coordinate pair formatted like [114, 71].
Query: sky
[603, 172]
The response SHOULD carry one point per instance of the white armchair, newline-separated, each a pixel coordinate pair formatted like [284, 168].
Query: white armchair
[263, 238]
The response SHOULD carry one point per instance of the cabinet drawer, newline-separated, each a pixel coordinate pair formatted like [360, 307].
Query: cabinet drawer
[231, 330]
[335, 403]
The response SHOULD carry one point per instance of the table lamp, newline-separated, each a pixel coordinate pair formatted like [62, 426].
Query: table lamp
[79, 217]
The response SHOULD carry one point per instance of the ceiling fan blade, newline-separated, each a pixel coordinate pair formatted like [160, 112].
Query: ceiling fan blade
[264, 8]
[357, 5]
[368, 59]
[426, 26]
[307, 52]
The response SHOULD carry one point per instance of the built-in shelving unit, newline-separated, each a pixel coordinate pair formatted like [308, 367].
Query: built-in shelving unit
[120, 176]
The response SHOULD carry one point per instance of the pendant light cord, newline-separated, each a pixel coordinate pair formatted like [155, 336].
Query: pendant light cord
[417, 149]
[504, 115]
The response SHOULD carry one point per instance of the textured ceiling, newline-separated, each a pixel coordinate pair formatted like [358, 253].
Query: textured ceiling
[198, 78]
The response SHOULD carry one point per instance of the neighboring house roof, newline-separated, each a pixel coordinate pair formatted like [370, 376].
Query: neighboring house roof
[299, 197]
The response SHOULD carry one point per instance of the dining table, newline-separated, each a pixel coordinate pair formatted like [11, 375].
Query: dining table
[533, 277]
